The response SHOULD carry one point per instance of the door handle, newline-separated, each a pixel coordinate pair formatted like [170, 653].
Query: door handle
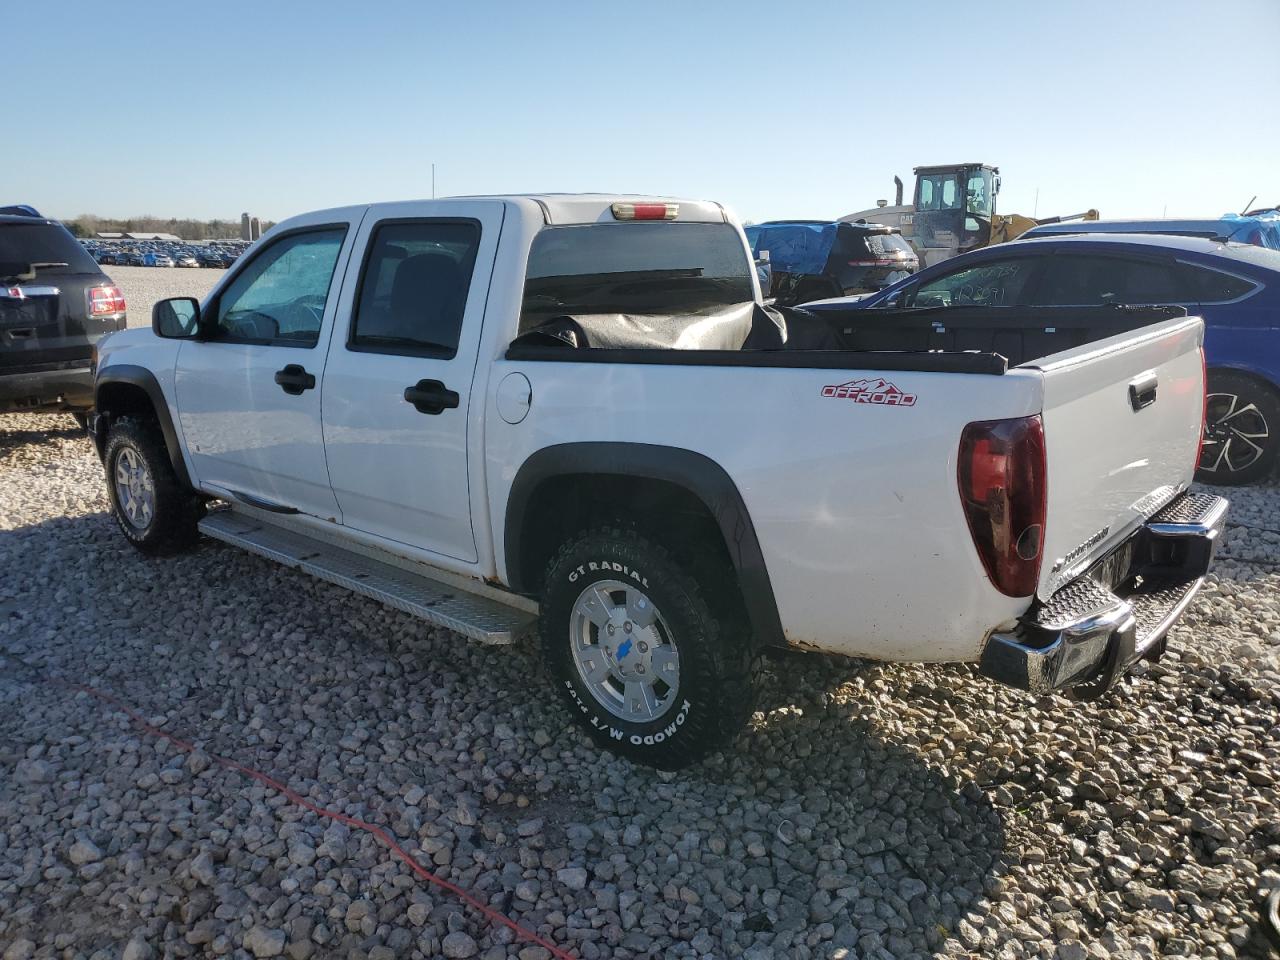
[431, 396]
[293, 379]
[1142, 390]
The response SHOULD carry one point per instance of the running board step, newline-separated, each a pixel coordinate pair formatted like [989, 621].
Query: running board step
[476, 617]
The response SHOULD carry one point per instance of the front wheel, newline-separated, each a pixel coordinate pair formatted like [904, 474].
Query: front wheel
[148, 501]
[657, 664]
[1242, 429]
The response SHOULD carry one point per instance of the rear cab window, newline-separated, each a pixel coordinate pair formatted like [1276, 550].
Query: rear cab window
[636, 269]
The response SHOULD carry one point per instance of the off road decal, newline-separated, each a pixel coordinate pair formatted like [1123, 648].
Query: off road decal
[607, 566]
[874, 390]
[635, 739]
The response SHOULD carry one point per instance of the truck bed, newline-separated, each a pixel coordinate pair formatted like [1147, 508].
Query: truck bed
[846, 459]
[974, 340]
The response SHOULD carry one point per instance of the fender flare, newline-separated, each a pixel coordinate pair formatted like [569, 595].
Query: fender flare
[694, 472]
[146, 380]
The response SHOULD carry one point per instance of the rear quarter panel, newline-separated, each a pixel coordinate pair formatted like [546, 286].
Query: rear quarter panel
[855, 505]
[1245, 335]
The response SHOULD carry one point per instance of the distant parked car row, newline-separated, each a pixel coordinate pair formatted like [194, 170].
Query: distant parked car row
[218, 254]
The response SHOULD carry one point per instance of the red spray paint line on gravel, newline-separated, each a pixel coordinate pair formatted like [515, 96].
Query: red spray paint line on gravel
[293, 795]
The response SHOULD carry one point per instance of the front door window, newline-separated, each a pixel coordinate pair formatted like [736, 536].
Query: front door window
[997, 284]
[279, 297]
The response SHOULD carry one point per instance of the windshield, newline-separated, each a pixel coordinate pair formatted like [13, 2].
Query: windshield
[27, 243]
[656, 268]
[938, 191]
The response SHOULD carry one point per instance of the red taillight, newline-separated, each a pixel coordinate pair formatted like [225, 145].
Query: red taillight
[645, 211]
[104, 301]
[1204, 407]
[1003, 491]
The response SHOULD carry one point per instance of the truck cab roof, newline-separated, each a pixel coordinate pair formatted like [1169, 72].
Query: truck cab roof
[561, 209]
[569, 208]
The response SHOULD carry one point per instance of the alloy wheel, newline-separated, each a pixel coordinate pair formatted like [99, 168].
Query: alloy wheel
[135, 489]
[624, 651]
[1236, 434]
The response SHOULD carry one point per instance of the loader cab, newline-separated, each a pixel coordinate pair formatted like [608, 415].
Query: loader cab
[954, 205]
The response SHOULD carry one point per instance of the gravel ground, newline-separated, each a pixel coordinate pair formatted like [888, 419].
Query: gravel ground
[143, 286]
[870, 811]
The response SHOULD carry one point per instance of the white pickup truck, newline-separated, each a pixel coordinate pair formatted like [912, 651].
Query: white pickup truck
[576, 411]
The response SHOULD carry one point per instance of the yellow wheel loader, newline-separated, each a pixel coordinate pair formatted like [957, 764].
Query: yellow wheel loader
[954, 211]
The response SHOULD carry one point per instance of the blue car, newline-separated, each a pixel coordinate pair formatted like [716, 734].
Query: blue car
[1258, 227]
[1235, 287]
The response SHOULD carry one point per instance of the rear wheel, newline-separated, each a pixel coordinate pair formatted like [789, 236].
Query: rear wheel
[655, 662]
[153, 510]
[1242, 429]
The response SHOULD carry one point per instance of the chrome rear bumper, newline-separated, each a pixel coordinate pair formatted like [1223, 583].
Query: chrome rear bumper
[1119, 611]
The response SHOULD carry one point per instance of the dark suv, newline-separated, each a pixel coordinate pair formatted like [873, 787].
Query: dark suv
[55, 304]
[813, 259]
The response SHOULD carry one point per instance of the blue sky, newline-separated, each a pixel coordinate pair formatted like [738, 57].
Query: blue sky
[787, 109]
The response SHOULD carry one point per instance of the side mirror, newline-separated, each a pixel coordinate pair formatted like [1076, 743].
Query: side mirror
[764, 273]
[177, 318]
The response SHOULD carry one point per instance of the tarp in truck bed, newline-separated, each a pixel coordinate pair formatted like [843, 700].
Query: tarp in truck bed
[982, 340]
[1019, 334]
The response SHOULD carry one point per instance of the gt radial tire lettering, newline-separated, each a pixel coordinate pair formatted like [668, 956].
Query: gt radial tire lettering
[607, 566]
[636, 740]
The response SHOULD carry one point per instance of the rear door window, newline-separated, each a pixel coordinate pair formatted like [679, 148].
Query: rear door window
[1087, 280]
[995, 284]
[656, 268]
[1151, 282]
[413, 291]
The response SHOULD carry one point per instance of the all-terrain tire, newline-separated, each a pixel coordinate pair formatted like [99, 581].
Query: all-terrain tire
[702, 618]
[1242, 417]
[170, 524]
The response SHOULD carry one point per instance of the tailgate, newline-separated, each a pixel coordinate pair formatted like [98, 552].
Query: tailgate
[1122, 429]
[44, 320]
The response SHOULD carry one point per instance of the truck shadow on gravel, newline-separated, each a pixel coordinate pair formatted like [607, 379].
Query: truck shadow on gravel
[817, 829]
[859, 830]
[30, 442]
